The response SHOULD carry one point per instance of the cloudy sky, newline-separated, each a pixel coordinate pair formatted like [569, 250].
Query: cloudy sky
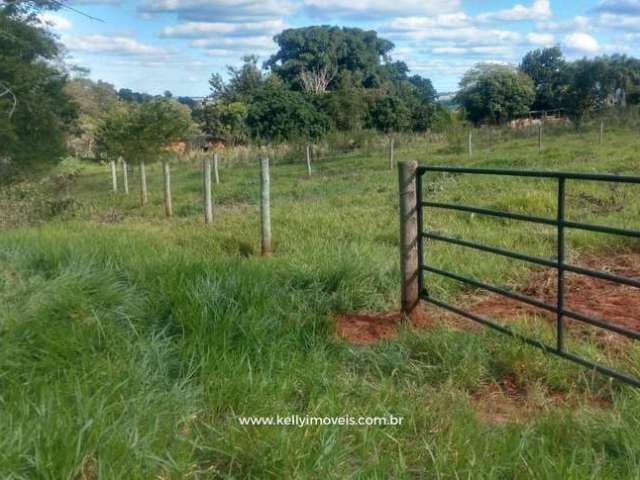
[157, 45]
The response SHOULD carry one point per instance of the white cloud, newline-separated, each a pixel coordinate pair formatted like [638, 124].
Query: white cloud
[542, 39]
[622, 7]
[493, 50]
[472, 36]
[539, 10]
[379, 8]
[220, 10]
[581, 43]
[56, 22]
[624, 22]
[579, 23]
[214, 29]
[113, 45]
[448, 20]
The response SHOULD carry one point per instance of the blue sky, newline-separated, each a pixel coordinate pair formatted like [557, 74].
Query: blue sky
[157, 45]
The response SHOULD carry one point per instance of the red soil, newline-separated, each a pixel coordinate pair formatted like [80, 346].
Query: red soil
[610, 302]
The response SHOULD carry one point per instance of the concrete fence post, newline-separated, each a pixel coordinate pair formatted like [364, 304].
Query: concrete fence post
[308, 158]
[265, 207]
[216, 175]
[540, 138]
[208, 202]
[125, 176]
[409, 260]
[144, 197]
[168, 204]
[114, 176]
[601, 138]
[391, 153]
[470, 146]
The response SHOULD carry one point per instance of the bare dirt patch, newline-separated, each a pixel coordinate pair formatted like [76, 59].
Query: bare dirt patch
[607, 301]
[507, 401]
[367, 328]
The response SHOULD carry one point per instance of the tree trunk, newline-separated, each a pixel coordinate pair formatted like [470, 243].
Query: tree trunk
[114, 176]
[308, 158]
[144, 198]
[168, 206]
[208, 203]
[216, 176]
[125, 177]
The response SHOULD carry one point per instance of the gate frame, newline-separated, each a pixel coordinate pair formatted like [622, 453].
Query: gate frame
[559, 264]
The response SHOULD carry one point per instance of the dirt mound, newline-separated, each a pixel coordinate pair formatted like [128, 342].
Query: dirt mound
[600, 299]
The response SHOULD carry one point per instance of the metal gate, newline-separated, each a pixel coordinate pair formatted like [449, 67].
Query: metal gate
[559, 264]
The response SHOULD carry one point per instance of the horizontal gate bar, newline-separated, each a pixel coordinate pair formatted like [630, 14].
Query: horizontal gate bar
[569, 356]
[493, 213]
[536, 303]
[534, 219]
[537, 260]
[532, 173]
[498, 251]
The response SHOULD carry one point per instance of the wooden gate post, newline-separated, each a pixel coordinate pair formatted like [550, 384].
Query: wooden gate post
[409, 260]
[265, 207]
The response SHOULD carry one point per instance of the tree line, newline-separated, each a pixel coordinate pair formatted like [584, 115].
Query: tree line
[545, 81]
[320, 80]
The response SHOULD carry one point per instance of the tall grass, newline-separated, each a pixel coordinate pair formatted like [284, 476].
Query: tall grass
[130, 344]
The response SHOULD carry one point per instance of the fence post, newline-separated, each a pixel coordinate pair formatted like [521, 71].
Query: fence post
[308, 157]
[470, 147]
[265, 213]
[391, 152]
[114, 176]
[125, 176]
[216, 176]
[144, 197]
[601, 139]
[168, 205]
[208, 203]
[409, 265]
[540, 138]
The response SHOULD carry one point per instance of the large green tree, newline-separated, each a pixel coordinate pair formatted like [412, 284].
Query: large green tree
[495, 93]
[316, 58]
[277, 113]
[548, 70]
[35, 112]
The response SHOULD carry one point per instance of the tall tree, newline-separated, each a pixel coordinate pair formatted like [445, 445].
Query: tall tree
[548, 70]
[35, 112]
[495, 93]
[329, 53]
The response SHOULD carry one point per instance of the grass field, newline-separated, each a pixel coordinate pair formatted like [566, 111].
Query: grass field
[131, 344]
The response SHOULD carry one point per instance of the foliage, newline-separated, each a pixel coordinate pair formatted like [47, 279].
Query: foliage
[548, 70]
[278, 113]
[339, 50]
[224, 121]
[144, 131]
[495, 93]
[390, 114]
[35, 112]
[93, 100]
